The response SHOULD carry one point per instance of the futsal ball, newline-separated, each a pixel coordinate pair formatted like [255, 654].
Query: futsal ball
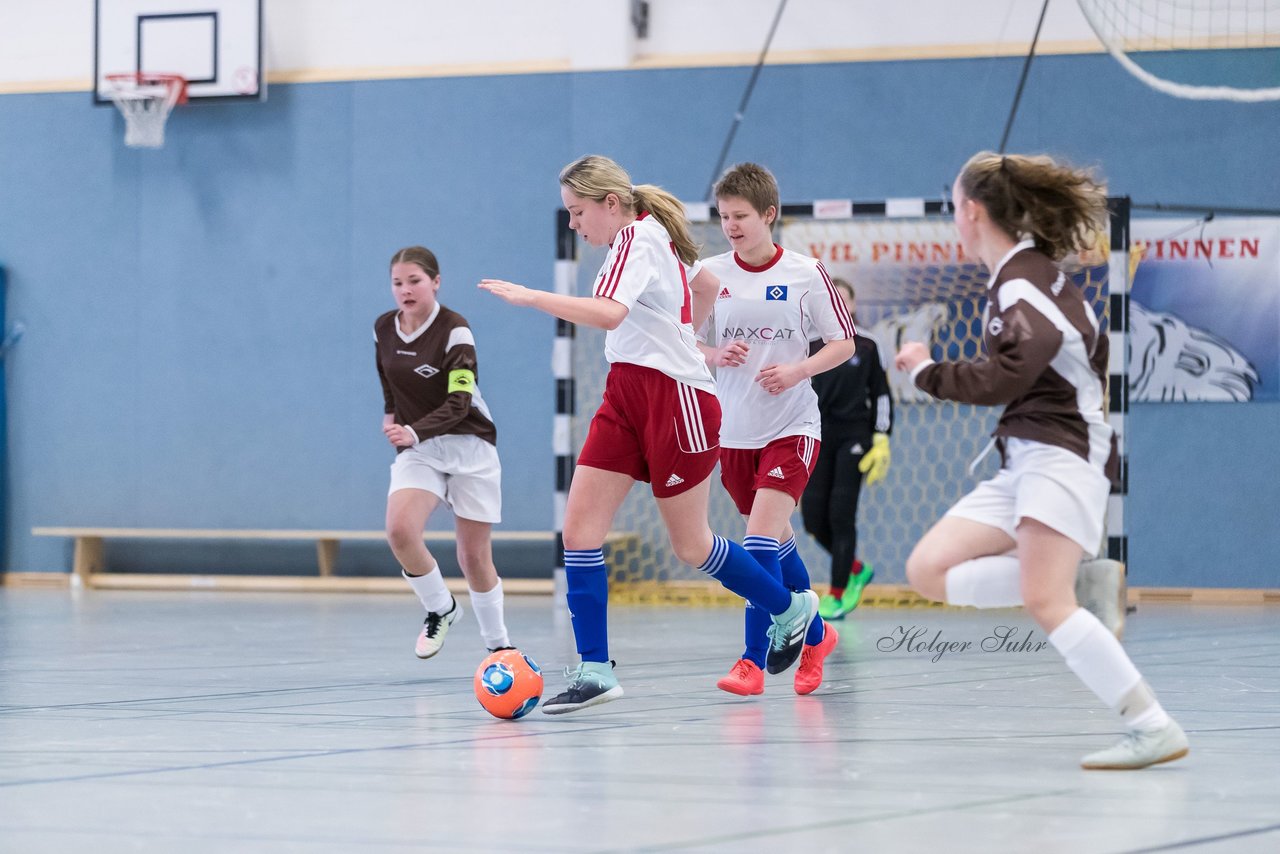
[508, 684]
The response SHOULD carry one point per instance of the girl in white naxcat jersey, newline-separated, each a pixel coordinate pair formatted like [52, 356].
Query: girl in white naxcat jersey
[771, 302]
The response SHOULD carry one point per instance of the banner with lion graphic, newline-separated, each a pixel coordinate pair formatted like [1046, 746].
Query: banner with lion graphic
[1204, 310]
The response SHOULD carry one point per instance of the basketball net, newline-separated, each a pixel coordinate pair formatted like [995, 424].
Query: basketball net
[145, 100]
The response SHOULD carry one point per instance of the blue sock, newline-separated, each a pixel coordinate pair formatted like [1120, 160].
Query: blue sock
[588, 596]
[796, 576]
[731, 565]
[755, 620]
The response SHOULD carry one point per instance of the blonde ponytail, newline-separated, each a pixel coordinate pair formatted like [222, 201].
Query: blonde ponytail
[669, 211]
[595, 177]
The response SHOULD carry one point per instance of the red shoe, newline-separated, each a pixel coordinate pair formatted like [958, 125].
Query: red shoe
[809, 673]
[746, 678]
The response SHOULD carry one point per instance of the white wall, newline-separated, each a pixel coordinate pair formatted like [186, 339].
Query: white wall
[47, 45]
[902, 28]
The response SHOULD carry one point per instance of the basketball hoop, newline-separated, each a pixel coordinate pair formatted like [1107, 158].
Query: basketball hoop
[145, 99]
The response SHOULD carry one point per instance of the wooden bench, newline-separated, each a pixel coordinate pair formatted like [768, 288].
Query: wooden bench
[89, 556]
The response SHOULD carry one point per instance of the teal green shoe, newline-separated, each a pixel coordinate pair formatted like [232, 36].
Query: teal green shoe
[829, 608]
[590, 684]
[786, 635]
[853, 593]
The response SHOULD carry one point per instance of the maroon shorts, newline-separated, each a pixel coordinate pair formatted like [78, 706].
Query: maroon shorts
[784, 464]
[655, 429]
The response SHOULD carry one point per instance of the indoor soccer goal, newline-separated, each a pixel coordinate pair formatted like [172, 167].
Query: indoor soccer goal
[913, 282]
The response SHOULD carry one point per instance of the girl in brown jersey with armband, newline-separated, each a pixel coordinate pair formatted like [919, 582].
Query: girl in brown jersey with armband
[1017, 538]
[446, 449]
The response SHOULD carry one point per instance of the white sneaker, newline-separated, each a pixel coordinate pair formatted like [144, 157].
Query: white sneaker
[434, 628]
[1140, 748]
[1101, 590]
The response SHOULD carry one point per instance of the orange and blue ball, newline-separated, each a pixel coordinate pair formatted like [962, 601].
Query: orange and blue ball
[508, 684]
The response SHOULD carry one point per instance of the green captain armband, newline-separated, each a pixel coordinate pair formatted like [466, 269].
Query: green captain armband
[462, 380]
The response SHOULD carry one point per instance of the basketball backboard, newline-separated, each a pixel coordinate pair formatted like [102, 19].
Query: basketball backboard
[215, 44]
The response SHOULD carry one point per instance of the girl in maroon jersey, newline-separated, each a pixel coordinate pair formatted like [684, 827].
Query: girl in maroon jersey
[1018, 537]
[446, 449]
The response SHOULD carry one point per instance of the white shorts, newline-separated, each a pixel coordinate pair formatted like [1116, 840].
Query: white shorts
[1046, 483]
[462, 470]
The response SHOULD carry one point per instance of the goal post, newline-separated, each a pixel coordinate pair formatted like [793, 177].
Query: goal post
[913, 282]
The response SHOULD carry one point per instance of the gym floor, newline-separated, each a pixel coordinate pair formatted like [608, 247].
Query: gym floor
[210, 722]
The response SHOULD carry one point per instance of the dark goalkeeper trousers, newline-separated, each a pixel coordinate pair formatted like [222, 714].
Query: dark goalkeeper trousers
[829, 506]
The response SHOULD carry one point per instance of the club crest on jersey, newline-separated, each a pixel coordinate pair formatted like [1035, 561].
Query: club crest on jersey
[426, 371]
[724, 294]
[775, 292]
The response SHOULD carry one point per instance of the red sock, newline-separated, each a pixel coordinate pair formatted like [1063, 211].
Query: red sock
[837, 592]
[857, 567]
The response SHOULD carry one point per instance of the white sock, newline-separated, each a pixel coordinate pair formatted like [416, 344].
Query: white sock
[431, 590]
[1095, 655]
[1140, 709]
[985, 582]
[488, 609]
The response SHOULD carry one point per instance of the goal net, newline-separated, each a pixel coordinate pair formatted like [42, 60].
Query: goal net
[1197, 49]
[912, 283]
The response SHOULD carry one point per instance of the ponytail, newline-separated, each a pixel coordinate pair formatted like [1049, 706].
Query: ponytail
[595, 177]
[1059, 207]
[668, 210]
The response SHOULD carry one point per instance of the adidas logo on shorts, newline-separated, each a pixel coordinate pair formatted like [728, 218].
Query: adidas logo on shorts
[777, 472]
[675, 480]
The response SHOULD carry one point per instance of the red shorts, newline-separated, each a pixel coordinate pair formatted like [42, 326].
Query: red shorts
[784, 464]
[655, 429]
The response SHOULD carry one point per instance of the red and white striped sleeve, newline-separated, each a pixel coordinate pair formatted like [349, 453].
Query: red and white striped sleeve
[629, 268]
[830, 316]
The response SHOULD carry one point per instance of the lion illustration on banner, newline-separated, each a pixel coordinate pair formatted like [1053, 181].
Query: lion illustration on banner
[1169, 360]
[1172, 361]
[890, 332]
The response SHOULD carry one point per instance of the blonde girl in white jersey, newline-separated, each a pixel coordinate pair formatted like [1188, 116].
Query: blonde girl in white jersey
[659, 421]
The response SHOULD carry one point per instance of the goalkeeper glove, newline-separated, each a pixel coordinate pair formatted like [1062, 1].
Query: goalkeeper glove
[875, 462]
